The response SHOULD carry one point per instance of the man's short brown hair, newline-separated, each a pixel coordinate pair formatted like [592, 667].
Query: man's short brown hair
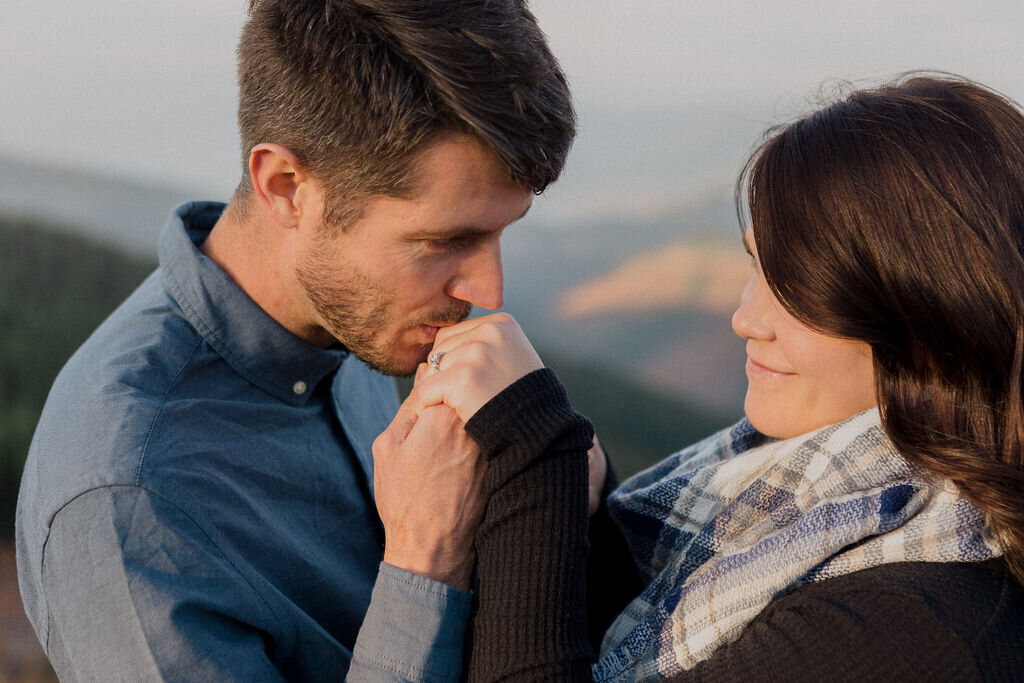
[355, 88]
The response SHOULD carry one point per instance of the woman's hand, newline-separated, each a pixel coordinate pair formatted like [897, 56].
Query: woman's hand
[428, 487]
[476, 359]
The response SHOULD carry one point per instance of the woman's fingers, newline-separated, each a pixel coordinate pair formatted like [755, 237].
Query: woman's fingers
[477, 362]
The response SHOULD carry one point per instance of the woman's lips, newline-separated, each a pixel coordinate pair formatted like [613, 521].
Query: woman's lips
[755, 369]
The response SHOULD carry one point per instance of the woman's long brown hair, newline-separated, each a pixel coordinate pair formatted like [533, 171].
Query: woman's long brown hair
[896, 217]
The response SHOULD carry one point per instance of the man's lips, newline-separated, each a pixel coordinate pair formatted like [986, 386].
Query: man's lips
[445, 317]
[430, 332]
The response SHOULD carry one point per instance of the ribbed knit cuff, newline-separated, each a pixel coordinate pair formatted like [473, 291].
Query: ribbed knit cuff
[532, 544]
[520, 424]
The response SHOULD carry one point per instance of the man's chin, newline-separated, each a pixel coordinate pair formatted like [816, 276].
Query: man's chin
[399, 356]
[391, 367]
[399, 372]
[388, 364]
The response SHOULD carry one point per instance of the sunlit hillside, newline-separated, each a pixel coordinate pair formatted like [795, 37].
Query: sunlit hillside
[55, 287]
[678, 276]
[646, 299]
[649, 302]
[662, 318]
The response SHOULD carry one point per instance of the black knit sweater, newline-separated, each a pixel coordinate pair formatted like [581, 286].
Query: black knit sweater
[538, 578]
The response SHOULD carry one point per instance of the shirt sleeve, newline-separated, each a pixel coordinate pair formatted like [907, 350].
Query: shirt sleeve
[136, 591]
[413, 630]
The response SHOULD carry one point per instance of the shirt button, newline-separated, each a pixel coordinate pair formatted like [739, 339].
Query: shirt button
[299, 388]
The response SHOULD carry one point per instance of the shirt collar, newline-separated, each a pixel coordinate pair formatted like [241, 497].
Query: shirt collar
[255, 345]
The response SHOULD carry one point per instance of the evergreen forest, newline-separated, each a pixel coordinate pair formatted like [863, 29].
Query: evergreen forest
[56, 287]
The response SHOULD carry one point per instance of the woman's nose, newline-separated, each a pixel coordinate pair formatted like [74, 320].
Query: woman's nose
[752, 319]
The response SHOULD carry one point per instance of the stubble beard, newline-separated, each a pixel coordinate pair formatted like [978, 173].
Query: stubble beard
[358, 311]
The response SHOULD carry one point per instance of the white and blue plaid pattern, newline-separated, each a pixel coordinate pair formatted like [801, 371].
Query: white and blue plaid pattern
[722, 528]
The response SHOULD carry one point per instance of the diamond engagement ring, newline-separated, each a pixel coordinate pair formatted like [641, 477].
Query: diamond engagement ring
[435, 360]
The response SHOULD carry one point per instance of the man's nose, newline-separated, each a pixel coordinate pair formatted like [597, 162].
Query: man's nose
[480, 279]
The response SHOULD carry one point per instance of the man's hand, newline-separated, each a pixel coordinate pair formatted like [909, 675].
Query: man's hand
[480, 357]
[428, 485]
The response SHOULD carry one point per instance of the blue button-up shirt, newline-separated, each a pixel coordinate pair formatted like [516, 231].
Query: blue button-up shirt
[196, 503]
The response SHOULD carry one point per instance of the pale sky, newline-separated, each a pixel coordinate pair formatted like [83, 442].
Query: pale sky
[671, 93]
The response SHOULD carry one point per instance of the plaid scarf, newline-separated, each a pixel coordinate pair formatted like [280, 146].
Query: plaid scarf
[725, 526]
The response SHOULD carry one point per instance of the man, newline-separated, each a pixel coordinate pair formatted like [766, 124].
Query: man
[196, 504]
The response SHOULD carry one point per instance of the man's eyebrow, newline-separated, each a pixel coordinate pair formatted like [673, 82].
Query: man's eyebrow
[463, 231]
[451, 233]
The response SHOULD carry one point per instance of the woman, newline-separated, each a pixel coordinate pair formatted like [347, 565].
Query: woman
[866, 521]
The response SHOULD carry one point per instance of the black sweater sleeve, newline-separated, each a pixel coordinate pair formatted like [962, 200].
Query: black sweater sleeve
[530, 619]
[909, 621]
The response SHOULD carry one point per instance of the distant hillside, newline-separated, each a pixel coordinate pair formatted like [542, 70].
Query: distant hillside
[648, 299]
[652, 310]
[55, 288]
[637, 426]
[674, 276]
[115, 212]
[663, 318]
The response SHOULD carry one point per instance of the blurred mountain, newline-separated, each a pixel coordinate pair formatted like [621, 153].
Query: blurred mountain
[56, 287]
[647, 299]
[116, 212]
[672, 277]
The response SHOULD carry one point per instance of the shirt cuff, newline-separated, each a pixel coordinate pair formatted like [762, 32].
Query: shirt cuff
[413, 630]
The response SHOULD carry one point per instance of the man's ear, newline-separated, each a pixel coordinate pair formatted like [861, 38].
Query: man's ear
[277, 176]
